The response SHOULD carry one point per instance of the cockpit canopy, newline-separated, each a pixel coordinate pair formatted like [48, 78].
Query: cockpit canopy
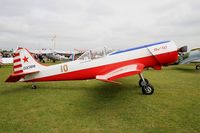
[95, 53]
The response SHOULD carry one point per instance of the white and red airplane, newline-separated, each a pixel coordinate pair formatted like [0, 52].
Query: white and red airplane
[105, 65]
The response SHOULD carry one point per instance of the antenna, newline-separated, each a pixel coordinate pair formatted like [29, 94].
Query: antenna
[54, 41]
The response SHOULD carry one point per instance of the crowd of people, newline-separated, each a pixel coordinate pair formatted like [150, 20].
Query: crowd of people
[39, 57]
[6, 54]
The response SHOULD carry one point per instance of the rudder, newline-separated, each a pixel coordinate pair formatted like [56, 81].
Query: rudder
[23, 62]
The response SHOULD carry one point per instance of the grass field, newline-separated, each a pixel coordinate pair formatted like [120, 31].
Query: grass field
[96, 107]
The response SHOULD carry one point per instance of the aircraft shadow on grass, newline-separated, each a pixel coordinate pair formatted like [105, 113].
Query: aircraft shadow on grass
[108, 97]
[107, 90]
[98, 96]
[16, 89]
[100, 90]
[187, 70]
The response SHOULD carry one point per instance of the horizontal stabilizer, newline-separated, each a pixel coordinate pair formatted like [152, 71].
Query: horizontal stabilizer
[17, 77]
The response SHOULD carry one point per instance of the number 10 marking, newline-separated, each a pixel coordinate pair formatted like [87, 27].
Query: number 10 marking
[64, 68]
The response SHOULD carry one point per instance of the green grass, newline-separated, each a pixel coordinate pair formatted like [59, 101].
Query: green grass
[96, 107]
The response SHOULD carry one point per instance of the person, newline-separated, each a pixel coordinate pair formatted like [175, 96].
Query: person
[1, 59]
[40, 57]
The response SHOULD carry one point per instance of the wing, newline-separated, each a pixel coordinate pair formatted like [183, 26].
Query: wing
[41, 51]
[121, 72]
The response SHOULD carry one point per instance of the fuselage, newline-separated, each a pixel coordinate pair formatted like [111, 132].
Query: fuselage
[151, 55]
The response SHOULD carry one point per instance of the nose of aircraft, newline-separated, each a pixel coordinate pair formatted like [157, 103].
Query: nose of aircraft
[168, 58]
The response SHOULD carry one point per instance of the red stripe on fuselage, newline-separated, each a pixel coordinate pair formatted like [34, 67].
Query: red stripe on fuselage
[90, 73]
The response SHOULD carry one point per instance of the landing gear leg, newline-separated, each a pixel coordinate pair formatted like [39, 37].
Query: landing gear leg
[147, 89]
[33, 86]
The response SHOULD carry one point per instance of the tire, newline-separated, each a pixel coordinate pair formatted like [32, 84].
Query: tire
[34, 87]
[148, 89]
[141, 82]
[197, 67]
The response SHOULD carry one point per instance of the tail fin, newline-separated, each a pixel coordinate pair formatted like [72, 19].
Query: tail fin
[23, 62]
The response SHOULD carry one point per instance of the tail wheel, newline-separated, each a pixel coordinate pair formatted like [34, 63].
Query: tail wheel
[147, 89]
[143, 82]
[33, 86]
[197, 67]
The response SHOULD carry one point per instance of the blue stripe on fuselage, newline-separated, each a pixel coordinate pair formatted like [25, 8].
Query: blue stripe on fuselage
[144, 46]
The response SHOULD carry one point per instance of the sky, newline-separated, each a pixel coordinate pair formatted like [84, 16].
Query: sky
[85, 24]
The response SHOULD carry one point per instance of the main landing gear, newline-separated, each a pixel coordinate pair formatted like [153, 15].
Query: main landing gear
[147, 89]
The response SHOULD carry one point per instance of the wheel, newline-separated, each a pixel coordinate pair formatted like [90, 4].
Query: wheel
[147, 89]
[142, 83]
[34, 87]
[197, 67]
